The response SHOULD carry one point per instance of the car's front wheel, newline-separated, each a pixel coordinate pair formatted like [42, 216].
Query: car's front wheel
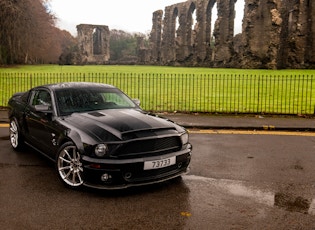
[69, 166]
[16, 138]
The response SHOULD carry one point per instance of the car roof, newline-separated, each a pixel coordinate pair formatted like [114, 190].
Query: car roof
[64, 85]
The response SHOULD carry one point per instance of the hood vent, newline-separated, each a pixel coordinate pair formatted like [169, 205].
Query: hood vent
[97, 114]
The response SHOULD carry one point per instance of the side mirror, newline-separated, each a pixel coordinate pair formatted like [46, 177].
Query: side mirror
[136, 101]
[43, 108]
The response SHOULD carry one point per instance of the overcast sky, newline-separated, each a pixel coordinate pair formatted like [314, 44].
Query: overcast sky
[127, 15]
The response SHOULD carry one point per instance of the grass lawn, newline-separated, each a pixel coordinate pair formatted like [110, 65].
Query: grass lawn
[136, 69]
[184, 89]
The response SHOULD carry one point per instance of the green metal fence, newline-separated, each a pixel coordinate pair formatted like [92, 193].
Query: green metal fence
[191, 93]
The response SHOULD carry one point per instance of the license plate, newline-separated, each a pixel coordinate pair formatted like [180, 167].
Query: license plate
[157, 164]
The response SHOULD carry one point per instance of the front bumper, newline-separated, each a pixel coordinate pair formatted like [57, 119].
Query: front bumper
[124, 173]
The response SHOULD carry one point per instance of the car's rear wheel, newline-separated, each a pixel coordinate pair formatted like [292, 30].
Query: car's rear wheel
[69, 165]
[16, 138]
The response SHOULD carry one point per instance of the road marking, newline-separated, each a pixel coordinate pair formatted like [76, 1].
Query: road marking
[237, 132]
[252, 132]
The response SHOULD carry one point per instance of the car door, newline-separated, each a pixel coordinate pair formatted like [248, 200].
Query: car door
[39, 123]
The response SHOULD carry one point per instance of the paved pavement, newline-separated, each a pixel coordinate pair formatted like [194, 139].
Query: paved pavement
[250, 122]
[247, 122]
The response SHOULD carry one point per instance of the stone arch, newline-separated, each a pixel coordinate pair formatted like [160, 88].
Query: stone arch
[210, 6]
[209, 28]
[175, 32]
[170, 35]
[239, 15]
[174, 23]
[178, 35]
[266, 39]
[190, 31]
[93, 43]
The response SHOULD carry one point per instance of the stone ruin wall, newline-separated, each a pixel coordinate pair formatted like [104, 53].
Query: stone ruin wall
[93, 43]
[275, 34]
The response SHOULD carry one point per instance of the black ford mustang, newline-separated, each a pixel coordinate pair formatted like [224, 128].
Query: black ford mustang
[97, 136]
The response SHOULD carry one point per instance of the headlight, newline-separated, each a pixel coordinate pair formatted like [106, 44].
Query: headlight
[184, 138]
[100, 150]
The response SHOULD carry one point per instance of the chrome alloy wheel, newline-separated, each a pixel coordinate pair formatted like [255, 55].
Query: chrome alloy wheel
[14, 134]
[69, 166]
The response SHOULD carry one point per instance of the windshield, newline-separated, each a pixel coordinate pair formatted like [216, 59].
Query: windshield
[74, 100]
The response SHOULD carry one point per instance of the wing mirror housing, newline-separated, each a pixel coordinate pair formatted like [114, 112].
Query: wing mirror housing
[43, 108]
[136, 101]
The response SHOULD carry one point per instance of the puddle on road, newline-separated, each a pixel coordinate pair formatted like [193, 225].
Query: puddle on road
[279, 199]
[294, 203]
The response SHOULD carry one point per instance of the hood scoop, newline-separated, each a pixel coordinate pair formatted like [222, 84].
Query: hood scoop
[97, 114]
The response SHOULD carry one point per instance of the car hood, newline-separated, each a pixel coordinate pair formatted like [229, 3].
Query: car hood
[105, 124]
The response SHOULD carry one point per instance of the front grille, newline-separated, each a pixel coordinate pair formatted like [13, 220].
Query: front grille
[150, 147]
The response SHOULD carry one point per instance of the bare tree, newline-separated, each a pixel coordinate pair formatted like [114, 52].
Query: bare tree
[28, 33]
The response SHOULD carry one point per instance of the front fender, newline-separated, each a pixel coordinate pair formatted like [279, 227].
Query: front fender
[79, 139]
[76, 139]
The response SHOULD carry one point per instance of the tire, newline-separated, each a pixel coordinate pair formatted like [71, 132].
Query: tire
[69, 166]
[16, 138]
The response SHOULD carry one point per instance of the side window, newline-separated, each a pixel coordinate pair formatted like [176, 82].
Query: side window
[40, 97]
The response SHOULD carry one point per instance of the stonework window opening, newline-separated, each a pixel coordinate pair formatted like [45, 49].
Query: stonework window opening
[239, 14]
[214, 17]
[194, 20]
[176, 25]
[97, 41]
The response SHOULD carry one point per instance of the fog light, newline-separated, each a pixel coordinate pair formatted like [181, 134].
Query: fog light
[105, 177]
[128, 175]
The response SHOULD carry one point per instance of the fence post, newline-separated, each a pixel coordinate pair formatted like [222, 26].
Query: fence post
[31, 81]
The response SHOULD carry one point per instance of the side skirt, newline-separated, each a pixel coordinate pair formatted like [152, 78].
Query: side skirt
[41, 152]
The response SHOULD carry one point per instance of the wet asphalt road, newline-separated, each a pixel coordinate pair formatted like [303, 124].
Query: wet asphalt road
[237, 181]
